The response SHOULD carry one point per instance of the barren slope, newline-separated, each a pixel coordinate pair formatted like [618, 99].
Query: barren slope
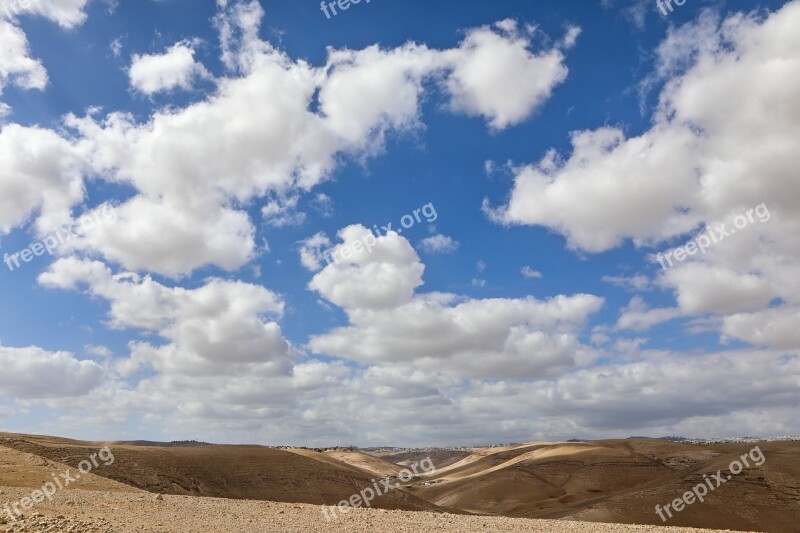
[623, 480]
[246, 472]
[617, 481]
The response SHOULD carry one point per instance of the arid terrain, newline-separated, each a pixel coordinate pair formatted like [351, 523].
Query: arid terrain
[530, 487]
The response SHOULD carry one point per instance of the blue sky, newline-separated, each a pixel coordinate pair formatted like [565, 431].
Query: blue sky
[224, 146]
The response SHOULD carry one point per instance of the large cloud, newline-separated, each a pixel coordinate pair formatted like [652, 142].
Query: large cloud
[33, 373]
[220, 328]
[730, 116]
[279, 126]
[724, 143]
[40, 172]
[390, 324]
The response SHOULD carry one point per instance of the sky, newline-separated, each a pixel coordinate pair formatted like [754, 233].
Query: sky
[400, 223]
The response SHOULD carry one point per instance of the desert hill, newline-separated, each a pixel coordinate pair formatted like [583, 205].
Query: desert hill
[622, 481]
[241, 472]
[613, 481]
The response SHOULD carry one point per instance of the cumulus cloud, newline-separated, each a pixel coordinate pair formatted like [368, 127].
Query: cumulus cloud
[66, 13]
[727, 112]
[390, 323]
[496, 74]
[16, 64]
[41, 172]
[222, 327]
[275, 127]
[688, 166]
[704, 288]
[775, 328]
[176, 68]
[383, 277]
[33, 373]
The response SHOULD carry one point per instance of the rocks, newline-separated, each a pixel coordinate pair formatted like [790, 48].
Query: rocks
[159, 497]
[39, 523]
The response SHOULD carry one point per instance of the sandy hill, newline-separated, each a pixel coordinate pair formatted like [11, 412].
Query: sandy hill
[244, 472]
[374, 466]
[622, 481]
[614, 481]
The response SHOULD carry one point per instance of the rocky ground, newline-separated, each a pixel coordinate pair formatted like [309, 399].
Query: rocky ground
[81, 511]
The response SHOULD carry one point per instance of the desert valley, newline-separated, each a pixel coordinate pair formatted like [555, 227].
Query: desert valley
[567, 486]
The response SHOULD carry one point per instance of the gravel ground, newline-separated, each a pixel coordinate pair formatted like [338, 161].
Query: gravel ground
[81, 511]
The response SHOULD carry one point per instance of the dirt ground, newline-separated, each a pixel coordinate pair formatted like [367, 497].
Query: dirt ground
[81, 511]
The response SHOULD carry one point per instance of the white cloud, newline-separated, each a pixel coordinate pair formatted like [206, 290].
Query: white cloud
[40, 172]
[496, 75]
[638, 317]
[33, 373]
[176, 68]
[100, 351]
[172, 235]
[66, 13]
[217, 329]
[530, 273]
[383, 277]
[775, 328]
[16, 64]
[439, 244]
[708, 289]
[727, 112]
[685, 392]
[390, 324]
[273, 128]
[693, 164]
[311, 251]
